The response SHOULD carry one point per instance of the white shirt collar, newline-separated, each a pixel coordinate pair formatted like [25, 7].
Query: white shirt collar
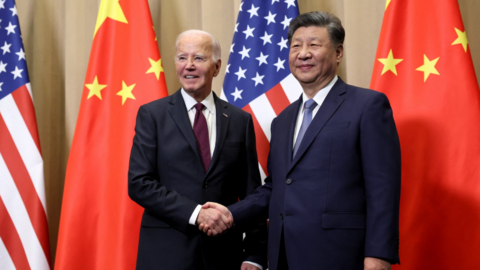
[322, 94]
[208, 102]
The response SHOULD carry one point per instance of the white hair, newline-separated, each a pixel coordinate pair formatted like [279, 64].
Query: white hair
[216, 50]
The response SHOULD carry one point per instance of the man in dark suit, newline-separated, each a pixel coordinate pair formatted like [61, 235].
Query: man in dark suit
[188, 149]
[333, 190]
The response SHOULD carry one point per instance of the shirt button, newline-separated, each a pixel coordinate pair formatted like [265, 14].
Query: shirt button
[289, 181]
[205, 185]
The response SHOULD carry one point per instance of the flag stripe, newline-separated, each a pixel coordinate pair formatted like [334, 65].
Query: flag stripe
[263, 145]
[27, 193]
[18, 213]
[292, 88]
[278, 99]
[264, 113]
[25, 145]
[11, 249]
[24, 102]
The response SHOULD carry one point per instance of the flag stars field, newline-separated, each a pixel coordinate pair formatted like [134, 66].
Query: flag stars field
[390, 63]
[428, 67]
[461, 39]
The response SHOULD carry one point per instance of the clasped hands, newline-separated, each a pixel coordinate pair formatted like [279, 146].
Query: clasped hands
[214, 219]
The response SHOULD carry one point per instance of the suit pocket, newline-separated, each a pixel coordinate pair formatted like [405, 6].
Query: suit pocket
[331, 126]
[343, 221]
[233, 144]
[149, 221]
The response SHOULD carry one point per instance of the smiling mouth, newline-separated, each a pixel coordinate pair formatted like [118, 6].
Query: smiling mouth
[191, 77]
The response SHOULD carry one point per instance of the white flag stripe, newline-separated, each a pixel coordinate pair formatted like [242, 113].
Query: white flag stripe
[29, 87]
[262, 173]
[292, 88]
[25, 144]
[18, 213]
[5, 260]
[263, 111]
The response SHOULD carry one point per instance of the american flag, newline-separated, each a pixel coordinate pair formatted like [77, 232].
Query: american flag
[258, 78]
[23, 221]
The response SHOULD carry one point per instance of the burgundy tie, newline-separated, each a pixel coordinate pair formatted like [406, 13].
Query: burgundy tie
[200, 129]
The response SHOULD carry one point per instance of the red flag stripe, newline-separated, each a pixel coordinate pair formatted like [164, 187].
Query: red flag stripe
[11, 239]
[24, 102]
[25, 144]
[23, 181]
[278, 99]
[263, 145]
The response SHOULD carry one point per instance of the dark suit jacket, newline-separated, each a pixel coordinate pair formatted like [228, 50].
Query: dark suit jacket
[167, 178]
[338, 199]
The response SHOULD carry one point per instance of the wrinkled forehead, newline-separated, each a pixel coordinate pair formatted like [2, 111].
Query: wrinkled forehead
[195, 44]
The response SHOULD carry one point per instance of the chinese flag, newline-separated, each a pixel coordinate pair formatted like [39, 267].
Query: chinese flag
[423, 65]
[99, 224]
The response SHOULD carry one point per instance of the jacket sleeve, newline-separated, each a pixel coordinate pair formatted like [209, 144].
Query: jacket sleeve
[381, 162]
[255, 241]
[144, 186]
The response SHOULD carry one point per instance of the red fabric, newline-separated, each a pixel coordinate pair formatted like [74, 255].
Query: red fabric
[438, 120]
[99, 224]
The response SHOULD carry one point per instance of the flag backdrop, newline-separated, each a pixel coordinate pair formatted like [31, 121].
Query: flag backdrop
[258, 78]
[23, 219]
[99, 224]
[423, 65]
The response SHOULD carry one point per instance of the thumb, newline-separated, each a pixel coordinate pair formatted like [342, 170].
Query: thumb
[207, 205]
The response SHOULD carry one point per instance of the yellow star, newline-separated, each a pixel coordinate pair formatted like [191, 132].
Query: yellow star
[428, 67]
[389, 63]
[126, 92]
[388, 3]
[95, 88]
[461, 39]
[109, 9]
[156, 67]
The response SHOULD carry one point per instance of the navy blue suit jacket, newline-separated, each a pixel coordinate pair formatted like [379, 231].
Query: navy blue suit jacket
[338, 198]
[167, 178]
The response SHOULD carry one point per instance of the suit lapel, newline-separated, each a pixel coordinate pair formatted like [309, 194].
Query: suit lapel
[330, 105]
[223, 121]
[179, 114]
[292, 120]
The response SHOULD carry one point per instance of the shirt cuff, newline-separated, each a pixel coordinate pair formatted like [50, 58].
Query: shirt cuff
[193, 217]
[255, 264]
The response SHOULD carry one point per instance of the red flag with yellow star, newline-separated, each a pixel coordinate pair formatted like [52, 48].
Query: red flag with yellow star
[99, 224]
[423, 65]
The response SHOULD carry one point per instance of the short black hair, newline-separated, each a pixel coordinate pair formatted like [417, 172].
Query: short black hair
[336, 32]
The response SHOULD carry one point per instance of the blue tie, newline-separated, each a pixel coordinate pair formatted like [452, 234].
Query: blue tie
[307, 119]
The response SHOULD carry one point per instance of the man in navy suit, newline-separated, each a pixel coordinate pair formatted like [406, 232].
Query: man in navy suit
[188, 149]
[333, 190]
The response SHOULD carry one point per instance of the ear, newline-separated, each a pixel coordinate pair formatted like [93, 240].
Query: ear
[218, 65]
[339, 53]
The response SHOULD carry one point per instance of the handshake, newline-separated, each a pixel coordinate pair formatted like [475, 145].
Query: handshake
[214, 219]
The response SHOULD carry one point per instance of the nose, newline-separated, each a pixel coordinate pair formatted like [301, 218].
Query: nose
[190, 64]
[304, 53]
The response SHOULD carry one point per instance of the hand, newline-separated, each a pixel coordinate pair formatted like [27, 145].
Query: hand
[248, 266]
[212, 221]
[375, 264]
[224, 213]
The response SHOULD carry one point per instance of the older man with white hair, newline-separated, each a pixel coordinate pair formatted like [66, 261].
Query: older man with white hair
[188, 149]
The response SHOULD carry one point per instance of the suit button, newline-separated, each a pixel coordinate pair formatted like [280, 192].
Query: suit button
[281, 216]
[205, 185]
[289, 181]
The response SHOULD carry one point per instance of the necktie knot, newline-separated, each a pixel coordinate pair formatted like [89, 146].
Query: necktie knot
[199, 107]
[310, 104]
